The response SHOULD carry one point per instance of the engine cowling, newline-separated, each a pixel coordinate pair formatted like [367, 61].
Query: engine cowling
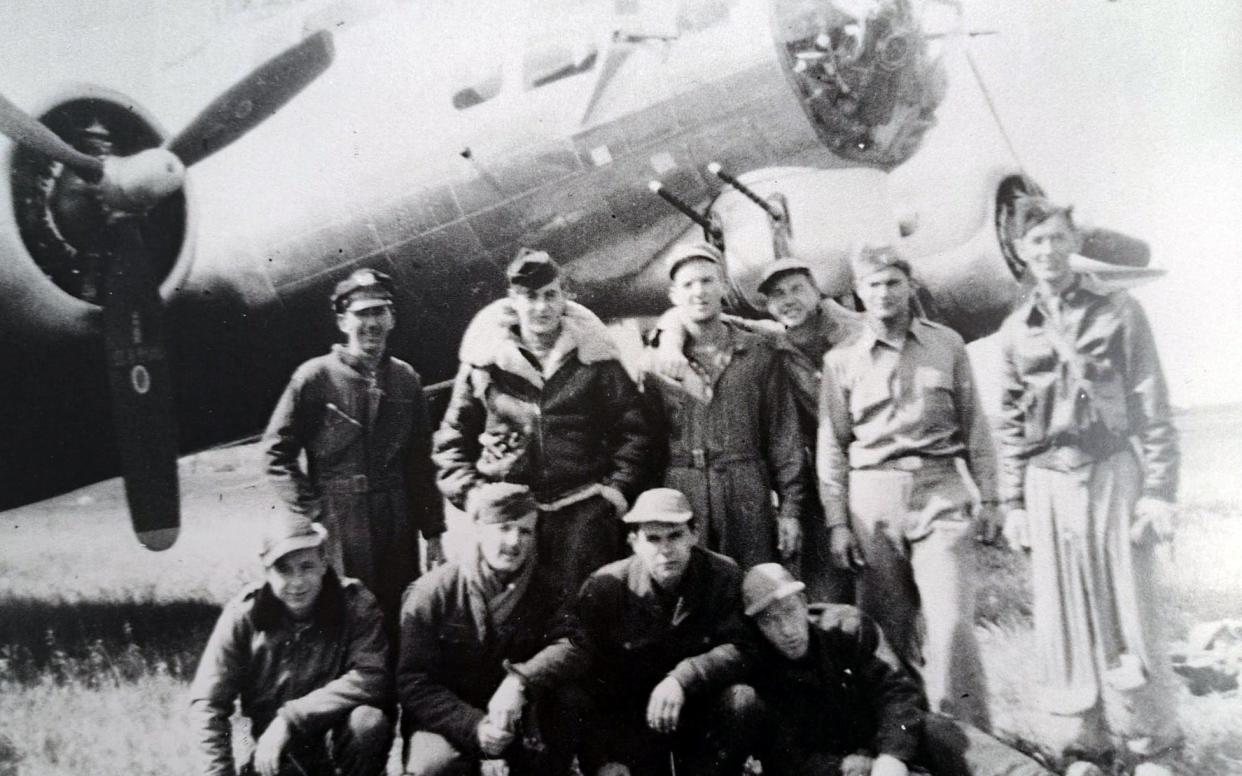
[51, 235]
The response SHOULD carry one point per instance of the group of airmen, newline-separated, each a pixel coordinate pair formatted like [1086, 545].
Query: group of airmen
[759, 557]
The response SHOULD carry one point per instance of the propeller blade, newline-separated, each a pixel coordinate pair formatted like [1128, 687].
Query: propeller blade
[253, 99]
[140, 382]
[26, 131]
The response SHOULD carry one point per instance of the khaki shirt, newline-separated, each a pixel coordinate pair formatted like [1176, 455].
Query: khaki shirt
[1084, 357]
[880, 401]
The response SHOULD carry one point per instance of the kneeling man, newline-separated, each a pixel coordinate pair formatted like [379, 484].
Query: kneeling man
[661, 637]
[839, 701]
[306, 653]
[474, 638]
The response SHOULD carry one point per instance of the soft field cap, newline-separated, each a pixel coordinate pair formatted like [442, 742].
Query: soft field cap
[765, 584]
[660, 505]
[287, 532]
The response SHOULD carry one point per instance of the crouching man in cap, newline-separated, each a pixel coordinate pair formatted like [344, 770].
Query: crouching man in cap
[361, 418]
[663, 648]
[542, 399]
[838, 701]
[306, 654]
[473, 650]
[907, 476]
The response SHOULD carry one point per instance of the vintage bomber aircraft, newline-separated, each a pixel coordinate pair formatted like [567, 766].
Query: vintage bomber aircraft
[150, 310]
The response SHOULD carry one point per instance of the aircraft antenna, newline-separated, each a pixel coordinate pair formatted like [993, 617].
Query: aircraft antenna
[987, 98]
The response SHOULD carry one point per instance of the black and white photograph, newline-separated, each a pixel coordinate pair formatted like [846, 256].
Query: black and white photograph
[620, 388]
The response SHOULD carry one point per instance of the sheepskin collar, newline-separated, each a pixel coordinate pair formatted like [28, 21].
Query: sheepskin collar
[492, 339]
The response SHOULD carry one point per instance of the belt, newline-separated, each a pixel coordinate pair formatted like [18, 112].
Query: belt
[1065, 458]
[361, 483]
[698, 458]
[914, 463]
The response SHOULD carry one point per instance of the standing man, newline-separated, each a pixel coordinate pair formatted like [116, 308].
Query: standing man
[361, 418]
[661, 647]
[838, 701]
[305, 651]
[808, 326]
[1090, 473]
[542, 399]
[731, 423]
[901, 434]
[473, 643]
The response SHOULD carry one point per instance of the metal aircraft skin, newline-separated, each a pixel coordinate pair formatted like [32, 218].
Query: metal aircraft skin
[432, 152]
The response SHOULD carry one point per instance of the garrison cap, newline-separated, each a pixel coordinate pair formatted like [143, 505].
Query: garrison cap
[364, 288]
[660, 505]
[501, 502]
[869, 259]
[781, 267]
[766, 584]
[286, 532]
[698, 251]
[532, 269]
[1033, 210]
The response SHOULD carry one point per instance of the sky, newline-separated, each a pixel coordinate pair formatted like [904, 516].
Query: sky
[1130, 109]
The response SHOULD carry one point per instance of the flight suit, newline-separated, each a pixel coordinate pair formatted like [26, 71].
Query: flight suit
[369, 477]
[734, 443]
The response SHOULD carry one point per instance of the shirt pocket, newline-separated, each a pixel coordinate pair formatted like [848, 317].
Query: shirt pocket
[337, 431]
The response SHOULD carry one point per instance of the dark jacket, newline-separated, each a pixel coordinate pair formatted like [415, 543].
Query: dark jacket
[446, 672]
[312, 677]
[369, 472]
[1094, 381]
[849, 693]
[625, 642]
[509, 421]
[728, 453]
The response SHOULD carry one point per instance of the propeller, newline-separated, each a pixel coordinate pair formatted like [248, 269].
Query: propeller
[139, 377]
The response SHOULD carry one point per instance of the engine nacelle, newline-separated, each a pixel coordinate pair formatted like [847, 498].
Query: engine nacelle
[52, 237]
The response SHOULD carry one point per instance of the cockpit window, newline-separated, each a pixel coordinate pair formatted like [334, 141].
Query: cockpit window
[541, 66]
[482, 90]
[557, 61]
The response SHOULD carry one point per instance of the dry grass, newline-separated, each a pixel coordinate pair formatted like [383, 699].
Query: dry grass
[98, 637]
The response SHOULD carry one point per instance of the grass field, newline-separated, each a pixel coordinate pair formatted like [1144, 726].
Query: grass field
[99, 637]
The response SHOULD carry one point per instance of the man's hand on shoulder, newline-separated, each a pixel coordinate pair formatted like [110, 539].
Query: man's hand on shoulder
[665, 704]
[668, 360]
[270, 746]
